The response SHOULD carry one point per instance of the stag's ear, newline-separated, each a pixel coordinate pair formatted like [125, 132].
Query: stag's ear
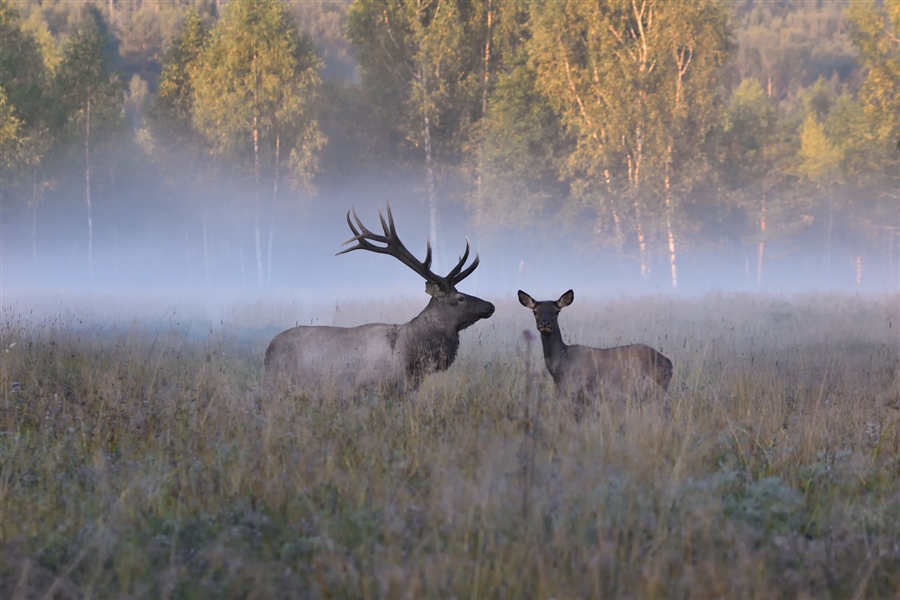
[566, 299]
[526, 300]
[434, 290]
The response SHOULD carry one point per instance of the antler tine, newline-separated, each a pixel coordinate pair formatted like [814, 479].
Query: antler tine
[427, 263]
[389, 226]
[370, 234]
[455, 271]
[350, 223]
[393, 246]
[358, 237]
[468, 271]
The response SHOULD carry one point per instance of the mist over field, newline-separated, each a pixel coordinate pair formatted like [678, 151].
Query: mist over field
[137, 254]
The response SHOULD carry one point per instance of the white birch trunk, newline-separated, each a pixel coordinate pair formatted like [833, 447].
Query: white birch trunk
[762, 241]
[205, 252]
[432, 190]
[272, 213]
[672, 263]
[256, 227]
[87, 187]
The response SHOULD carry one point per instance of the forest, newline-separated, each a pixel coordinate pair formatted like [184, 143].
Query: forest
[650, 138]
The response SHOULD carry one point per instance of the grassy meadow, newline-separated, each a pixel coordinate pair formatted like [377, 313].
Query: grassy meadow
[139, 459]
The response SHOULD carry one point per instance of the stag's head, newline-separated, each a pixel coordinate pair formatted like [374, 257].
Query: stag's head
[546, 312]
[453, 308]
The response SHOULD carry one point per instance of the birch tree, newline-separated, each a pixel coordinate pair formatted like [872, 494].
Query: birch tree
[750, 153]
[255, 89]
[89, 97]
[626, 76]
[519, 143]
[171, 114]
[420, 58]
[27, 56]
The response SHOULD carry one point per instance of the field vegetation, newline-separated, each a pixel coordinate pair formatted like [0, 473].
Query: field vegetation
[140, 459]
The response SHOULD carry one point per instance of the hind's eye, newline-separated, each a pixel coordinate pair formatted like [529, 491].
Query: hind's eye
[461, 298]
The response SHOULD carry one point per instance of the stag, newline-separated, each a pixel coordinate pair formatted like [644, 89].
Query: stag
[347, 360]
[581, 372]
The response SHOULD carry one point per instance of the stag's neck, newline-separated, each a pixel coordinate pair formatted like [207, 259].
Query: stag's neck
[431, 343]
[555, 353]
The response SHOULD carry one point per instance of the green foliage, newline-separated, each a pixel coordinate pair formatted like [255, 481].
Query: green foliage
[848, 128]
[255, 85]
[789, 45]
[749, 134]
[25, 128]
[523, 150]
[10, 140]
[21, 66]
[325, 23]
[818, 156]
[876, 33]
[84, 85]
[419, 64]
[51, 52]
[171, 114]
[629, 125]
[637, 86]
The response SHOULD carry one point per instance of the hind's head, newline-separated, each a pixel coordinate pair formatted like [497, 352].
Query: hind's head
[546, 312]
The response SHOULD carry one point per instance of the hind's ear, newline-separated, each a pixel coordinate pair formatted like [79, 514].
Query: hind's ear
[526, 300]
[566, 299]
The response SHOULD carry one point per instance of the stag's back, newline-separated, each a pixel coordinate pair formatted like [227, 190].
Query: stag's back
[335, 358]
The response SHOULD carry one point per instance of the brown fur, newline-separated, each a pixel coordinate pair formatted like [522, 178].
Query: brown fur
[346, 360]
[582, 372]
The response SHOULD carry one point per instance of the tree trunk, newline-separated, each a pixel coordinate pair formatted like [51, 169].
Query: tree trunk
[617, 222]
[205, 252]
[619, 237]
[859, 270]
[256, 228]
[187, 254]
[893, 277]
[34, 203]
[430, 182]
[241, 259]
[636, 184]
[642, 242]
[762, 240]
[272, 212]
[484, 102]
[762, 206]
[87, 187]
[830, 233]
[672, 264]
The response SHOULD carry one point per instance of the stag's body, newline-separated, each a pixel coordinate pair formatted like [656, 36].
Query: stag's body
[346, 360]
[581, 372]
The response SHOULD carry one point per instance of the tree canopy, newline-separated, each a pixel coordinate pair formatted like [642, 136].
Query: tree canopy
[644, 129]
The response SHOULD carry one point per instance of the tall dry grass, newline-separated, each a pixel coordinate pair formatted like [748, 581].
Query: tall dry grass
[138, 459]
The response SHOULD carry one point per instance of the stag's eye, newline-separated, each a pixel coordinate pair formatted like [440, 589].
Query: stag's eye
[461, 298]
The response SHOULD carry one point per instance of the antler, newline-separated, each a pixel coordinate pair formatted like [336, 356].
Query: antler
[455, 276]
[394, 247]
